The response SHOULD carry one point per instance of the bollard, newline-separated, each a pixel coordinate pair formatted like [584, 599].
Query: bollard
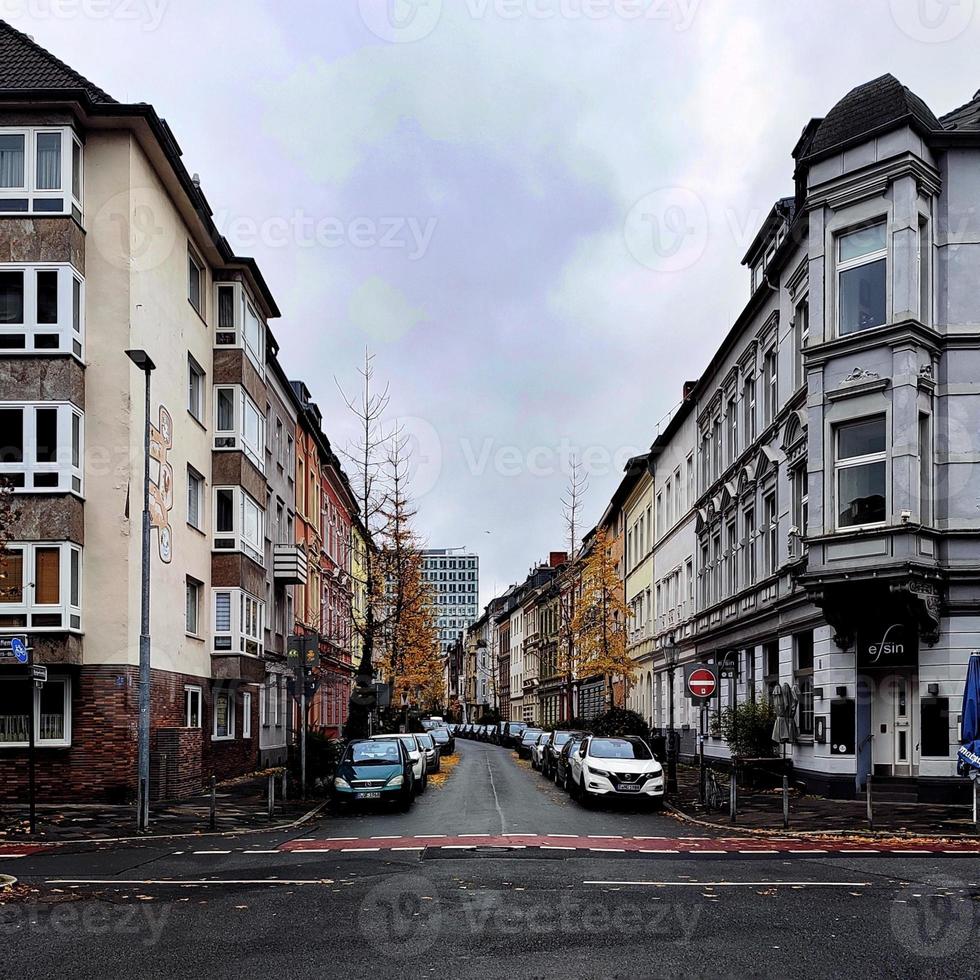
[733, 797]
[871, 816]
[785, 802]
[272, 794]
[214, 817]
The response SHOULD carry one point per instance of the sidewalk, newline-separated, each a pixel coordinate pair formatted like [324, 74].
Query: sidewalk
[241, 806]
[763, 810]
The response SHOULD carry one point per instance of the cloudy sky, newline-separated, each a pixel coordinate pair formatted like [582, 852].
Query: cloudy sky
[532, 211]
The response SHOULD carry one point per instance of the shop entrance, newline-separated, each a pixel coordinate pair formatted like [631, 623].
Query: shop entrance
[895, 747]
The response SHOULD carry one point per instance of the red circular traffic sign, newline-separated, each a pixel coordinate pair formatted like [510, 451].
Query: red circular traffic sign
[702, 682]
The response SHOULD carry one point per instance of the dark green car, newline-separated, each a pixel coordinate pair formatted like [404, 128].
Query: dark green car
[375, 771]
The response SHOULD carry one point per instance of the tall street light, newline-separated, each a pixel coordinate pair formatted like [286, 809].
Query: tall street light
[143, 361]
[671, 654]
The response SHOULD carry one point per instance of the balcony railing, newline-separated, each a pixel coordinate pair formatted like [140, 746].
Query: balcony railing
[289, 564]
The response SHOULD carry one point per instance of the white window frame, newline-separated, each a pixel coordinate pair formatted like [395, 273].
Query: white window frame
[71, 336]
[192, 691]
[28, 608]
[198, 587]
[847, 265]
[236, 539]
[68, 465]
[771, 532]
[236, 438]
[801, 336]
[65, 741]
[29, 190]
[246, 618]
[230, 736]
[247, 714]
[198, 479]
[853, 462]
[235, 334]
[196, 403]
[770, 383]
[202, 286]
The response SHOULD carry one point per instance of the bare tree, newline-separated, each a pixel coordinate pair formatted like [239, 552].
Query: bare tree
[575, 490]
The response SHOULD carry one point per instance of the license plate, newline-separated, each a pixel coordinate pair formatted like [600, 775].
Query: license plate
[367, 796]
[629, 787]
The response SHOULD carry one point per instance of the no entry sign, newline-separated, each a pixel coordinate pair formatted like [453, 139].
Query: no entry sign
[701, 681]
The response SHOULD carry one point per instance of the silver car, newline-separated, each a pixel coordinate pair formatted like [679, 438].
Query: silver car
[428, 743]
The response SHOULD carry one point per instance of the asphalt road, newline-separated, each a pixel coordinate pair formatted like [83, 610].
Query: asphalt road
[234, 907]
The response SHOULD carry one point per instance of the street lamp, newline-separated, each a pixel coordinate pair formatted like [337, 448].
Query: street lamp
[143, 361]
[671, 653]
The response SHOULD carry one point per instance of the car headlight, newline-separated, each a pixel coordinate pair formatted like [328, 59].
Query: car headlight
[597, 772]
[341, 783]
[396, 780]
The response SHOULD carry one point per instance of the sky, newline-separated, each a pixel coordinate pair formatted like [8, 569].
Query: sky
[533, 212]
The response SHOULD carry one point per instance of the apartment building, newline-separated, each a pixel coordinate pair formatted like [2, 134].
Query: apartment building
[454, 576]
[107, 245]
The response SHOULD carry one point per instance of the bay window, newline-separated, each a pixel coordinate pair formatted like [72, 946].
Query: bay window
[238, 424]
[862, 260]
[41, 447]
[41, 586]
[239, 523]
[239, 622]
[40, 171]
[41, 310]
[239, 325]
[52, 712]
[860, 471]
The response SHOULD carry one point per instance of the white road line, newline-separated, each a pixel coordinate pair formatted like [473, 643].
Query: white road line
[653, 850]
[388, 837]
[187, 882]
[339, 838]
[416, 847]
[605, 836]
[738, 884]
[807, 850]
[314, 850]
[210, 852]
[608, 850]
[358, 849]
[562, 835]
[708, 852]
[456, 847]
[262, 852]
[518, 835]
[10, 857]
[177, 853]
[910, 851]
[496, 800]
[649, 838]
[961, 851]
[429, 836]
[557, 847]
[475, 835]
[854, 850]
[752, 850]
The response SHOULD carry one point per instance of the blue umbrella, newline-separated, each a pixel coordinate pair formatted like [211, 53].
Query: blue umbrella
[969, 752]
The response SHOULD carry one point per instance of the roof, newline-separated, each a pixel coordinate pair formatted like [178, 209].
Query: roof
[26, 65]
[965, 118]
[879, 104]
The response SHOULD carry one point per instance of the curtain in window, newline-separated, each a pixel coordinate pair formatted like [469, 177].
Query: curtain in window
[12, 577]
[47, 576]
[48, 161]
[222, 612]
[11, 161]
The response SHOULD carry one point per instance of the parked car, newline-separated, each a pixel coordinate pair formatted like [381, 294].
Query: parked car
[563, 762]
[432, 763]
[445, 739]
[485, 733]
[537, 750]
[527, 739]
[549, 754]
[416, 753]
[378, 769]
[512, 733]
[617, 768]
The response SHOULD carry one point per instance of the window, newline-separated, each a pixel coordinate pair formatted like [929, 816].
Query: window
[52, 712]
[41, 447]
[770, 659]
[690, 482]
[192, 707]
[239, 622]
[803, 676]
[731, 550]
[748, 410]
[731, 418]
[239, 325]
[801, 334]
[195, 389]
[40, 310]
[748, 545]
[224, 715]
[192, 606]
[925, 273]
[195, 281]
[770, 380]
[799, 481]
[239, 523]
[238, 424]
[862, 259]
[925, 469]
[37, 174]
[195, 498]
[41, 586]
[860, 472]
[246, 715]
[770, 531]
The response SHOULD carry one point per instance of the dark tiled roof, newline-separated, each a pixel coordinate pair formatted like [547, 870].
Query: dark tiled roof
[966, 117]
[26, 65]
[871, 107]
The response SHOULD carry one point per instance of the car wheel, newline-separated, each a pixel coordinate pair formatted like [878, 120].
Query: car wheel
[584, 796]
[656, 804]
[405, 804]
[425, 782]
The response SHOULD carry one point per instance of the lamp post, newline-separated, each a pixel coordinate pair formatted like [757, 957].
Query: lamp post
[670, 657]
[143, 361]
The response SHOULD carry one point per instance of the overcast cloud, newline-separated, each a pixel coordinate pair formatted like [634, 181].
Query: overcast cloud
[533, 212]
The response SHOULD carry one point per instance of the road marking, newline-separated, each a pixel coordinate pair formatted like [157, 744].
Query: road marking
[854, 850]
[335, 838]
[210, 852]
[262, 852]
[649, 838]
[356, 849]
[316, 850]
[10, 857]
[556, 847]
[388, 837]
[910, 851]
[709, 852]
[461, 836]
[752, 850]
[608, 850]
[738, 884]
[572, 836]
[518, 835]
[605, 836]
[496, 799]
[426, 836]
[652, 850]
[808, 850]
[187, 882]
[456, 847]
[416, 847]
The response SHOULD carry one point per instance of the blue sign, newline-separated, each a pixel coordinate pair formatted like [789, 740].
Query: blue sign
[18, 649]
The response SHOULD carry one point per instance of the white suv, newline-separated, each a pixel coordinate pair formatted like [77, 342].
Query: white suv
[416, 752]
[616, 767]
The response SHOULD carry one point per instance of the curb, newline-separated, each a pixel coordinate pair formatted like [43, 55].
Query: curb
[790, 832]
[277, 828]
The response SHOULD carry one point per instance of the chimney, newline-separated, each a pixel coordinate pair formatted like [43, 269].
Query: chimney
[196, 180]
[557, 558]
[689, 386]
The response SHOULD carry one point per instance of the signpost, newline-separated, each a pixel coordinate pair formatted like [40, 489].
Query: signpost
[700, 683]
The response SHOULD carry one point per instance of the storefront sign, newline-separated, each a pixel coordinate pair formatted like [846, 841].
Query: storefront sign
[893, 645]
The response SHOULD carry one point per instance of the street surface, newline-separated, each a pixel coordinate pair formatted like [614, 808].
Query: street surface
[496, 873]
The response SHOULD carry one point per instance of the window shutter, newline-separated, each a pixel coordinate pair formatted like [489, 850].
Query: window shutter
[47, 576]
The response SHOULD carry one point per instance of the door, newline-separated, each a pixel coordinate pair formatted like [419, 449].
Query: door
[895, 725]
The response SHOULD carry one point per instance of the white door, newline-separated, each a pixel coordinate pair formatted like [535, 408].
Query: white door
[895, 725]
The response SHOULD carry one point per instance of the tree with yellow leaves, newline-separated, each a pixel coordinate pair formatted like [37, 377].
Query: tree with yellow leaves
[600, 619]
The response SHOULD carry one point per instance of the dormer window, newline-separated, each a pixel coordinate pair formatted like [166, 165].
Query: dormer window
[239, 325]
[40, 171]
[862, 260]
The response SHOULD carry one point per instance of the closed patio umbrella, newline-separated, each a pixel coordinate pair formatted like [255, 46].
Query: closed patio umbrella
[780, 730]
[968, 755]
